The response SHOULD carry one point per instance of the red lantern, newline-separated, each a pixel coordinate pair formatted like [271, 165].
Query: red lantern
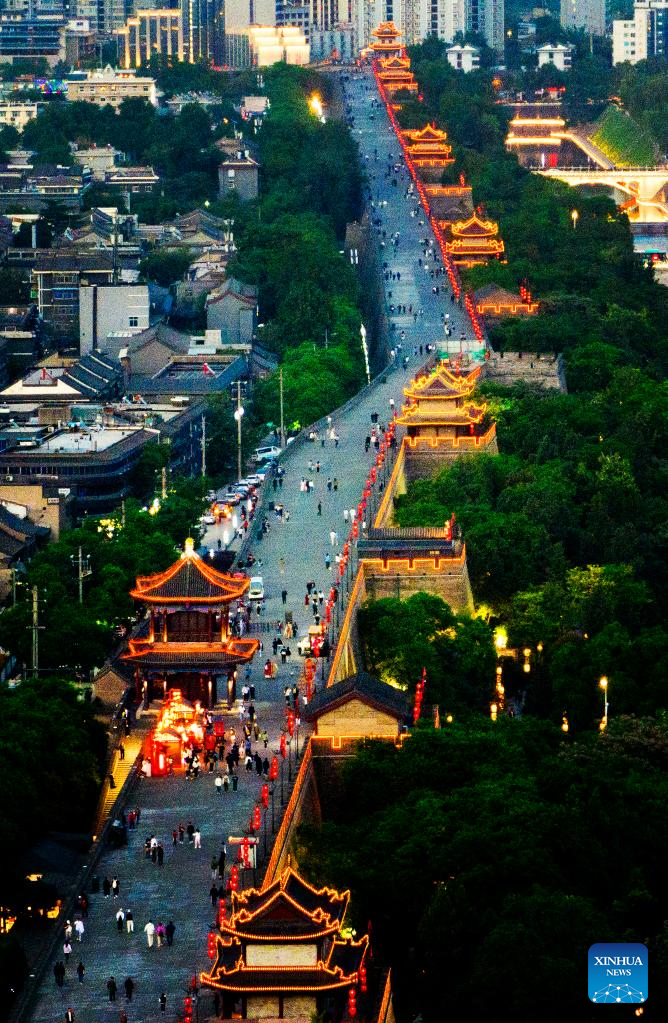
[291, 722]
[222, 912]
[284, 751]
[265, 795]
[363, 978]
[211, 945]
[328, 618]
[352, 1002]
[257, 818]
[355, 529]
[273, 770]
[234, 878]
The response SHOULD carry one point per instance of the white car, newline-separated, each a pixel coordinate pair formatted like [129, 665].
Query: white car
[265, 454]
[208, 520]
[256, 588]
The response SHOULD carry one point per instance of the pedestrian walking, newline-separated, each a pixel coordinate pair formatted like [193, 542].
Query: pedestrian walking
[197, 837]
[69, 1016]
[333, 537]
[284, 596]
[81, 971]
[67, 951]
[169, 933]
[149, 931]
[112, 988]
[79, 929]
[120, 917]
[129, 986]
[122, 1016]
[106, 887]
[115, 887]
[319, 507]
[163, 1001]
[129, 921]
[59, 973]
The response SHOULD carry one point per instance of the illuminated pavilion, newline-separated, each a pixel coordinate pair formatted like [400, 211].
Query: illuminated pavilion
[474, 241]
[396, 76]
[280, 953]
[185, 640]
[427, 147]
[386, 40]
[440, 411]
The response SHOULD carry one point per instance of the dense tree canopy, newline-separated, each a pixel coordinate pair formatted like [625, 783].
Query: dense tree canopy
[489, 857]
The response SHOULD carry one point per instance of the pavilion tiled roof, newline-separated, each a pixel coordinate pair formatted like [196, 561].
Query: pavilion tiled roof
[289, 907]
[442, 383]
[190, 580]
[190, 655]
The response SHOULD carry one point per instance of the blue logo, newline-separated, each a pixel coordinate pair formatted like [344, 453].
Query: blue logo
[617, 972]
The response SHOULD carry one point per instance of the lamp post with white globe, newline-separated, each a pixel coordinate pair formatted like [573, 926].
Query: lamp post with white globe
[238, 414]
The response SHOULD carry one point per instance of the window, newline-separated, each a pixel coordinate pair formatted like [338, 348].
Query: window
[133, 321]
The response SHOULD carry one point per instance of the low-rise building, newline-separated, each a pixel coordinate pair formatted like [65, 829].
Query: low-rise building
[43, 504]
[97, 159]
[239, 174]
[560, 55]
[91, 450]
[463, 58]
[108, 314]
[94, 377]
[231, 309]
[137, 180]
[56, 278]
[110, 86]
[16, 114]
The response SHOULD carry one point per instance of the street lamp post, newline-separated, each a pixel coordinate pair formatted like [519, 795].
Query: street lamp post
[575, 216]
[238, 415]
[603, 682]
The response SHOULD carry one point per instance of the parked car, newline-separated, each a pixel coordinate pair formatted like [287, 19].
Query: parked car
[264, 454]
[256, 588]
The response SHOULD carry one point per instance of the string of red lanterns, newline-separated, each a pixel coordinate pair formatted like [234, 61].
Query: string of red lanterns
[449, 266]
[419, 694]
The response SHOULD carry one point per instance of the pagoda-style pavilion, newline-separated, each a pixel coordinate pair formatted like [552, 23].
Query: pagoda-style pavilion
[280, 953]
[386, 40]
[440, 412]
[396, 76]
[474, 241]
[427, 147]
[185, 641]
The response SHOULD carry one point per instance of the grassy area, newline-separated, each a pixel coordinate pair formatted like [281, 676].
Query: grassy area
[622, 140]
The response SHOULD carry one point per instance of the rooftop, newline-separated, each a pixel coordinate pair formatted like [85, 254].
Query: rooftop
[364, 687]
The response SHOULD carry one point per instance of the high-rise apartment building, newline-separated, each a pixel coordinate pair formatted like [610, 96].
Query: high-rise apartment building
[591, 15]
[486, 17]
[643, 36]
[148, 33]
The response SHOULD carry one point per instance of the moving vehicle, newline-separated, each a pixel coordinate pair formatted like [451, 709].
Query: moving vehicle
[256, 588]
[265, 454]
[208, 520]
